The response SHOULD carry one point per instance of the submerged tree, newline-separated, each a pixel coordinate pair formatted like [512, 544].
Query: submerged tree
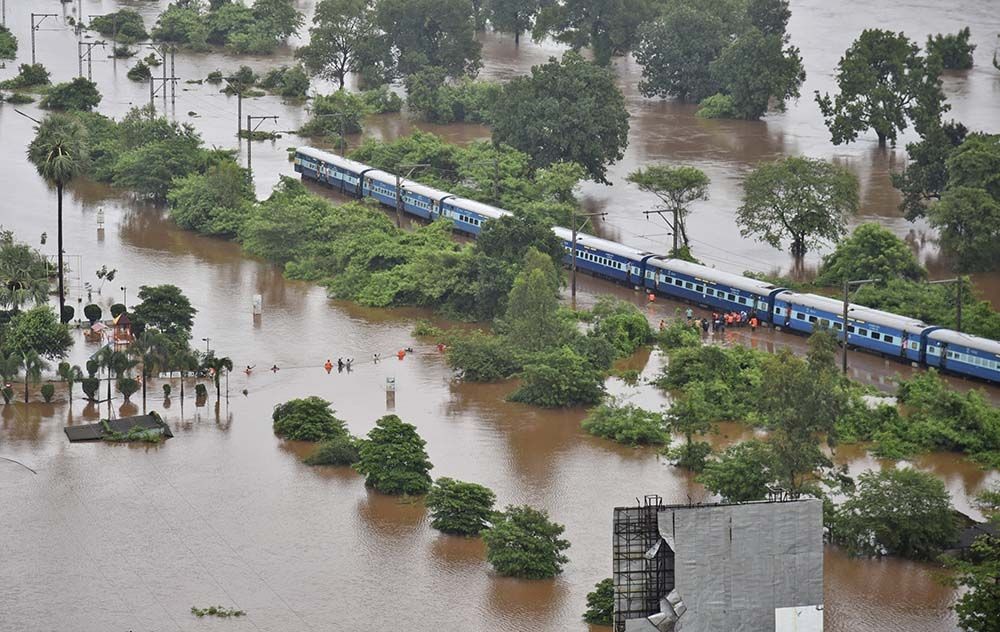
[393, 459]
[607, 27]
[525, 543]
[803, 200]
[676, 187]
[601, 603]
[459, 507]
[884, 83]
[342, 40]
[216, 365]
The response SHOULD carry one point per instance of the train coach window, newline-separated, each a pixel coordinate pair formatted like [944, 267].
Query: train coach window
[678, 282]
[744, 301]
[824, 323]
[850, 329]
[812, 319]
[876, 335]
[888, 339]
[778, 311]
[838, 326]
[689, 285]
[731, 297]
[914, 346]
[710, 292]
[800, 316]
[699, 288]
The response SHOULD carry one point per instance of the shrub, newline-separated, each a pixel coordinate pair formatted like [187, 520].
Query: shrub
[559, 378]
[307, 419]
[48, 390]
[340, 450]
[393, 459]
[214, 77]
[7, 393]
[79, 94]
[433, 98]
[678, 333]
[166, 391]
[117, 310]
[28, 76]
[480, 357]
[93, 313]
[334, 113]
[621, 324]
[8, 44]
[139, 72]
[18, 98]
[896, 512]
[627, 424]
[128, 387]
[717, 106]
[601, 603]
[459, 507]
[382, 100]
[68, 311]
[124, 25]
[954, 49]
[90, 386]
[524, 543]
[291, 82]
[690, 455]
[200, 391]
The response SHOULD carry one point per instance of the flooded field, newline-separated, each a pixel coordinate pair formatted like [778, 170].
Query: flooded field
[110, 537]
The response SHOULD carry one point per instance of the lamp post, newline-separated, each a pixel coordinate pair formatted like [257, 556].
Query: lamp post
[958, 298]
[847, 298]
[585, 217]
[125, 297]
[207, 341]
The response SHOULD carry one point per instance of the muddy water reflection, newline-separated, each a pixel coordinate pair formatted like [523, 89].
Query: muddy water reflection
[131, 536]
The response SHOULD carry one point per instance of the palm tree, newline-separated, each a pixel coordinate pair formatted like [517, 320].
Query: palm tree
[24, 274]
[10, 367]
[217, 365]
[150, 348]
[69, 374]
[33, 365]
[183, 359]
[59, 153]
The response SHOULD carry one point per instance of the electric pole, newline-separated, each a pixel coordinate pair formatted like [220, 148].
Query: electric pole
[251, 128]
[958, 299]
[34, 27]
[585, 216]
[847, 298]
[89, 46]
[153, 90]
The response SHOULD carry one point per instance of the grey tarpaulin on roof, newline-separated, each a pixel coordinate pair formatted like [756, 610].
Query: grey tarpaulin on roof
[736, 565]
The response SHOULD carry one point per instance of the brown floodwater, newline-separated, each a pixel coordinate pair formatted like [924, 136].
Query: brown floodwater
[108, 537]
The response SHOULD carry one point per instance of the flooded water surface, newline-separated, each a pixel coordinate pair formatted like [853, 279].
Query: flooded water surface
[108, 537]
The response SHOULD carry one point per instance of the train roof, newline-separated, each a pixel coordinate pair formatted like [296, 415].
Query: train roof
[485, 210]
[953, 337]
[426, 191]
[584, 240]
[716, 276]
[386, 177]
[333, 159]
[858, 313]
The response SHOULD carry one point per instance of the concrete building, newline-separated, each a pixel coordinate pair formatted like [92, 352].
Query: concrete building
[748, 567]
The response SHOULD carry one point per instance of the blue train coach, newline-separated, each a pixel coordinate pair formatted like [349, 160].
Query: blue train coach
[708, 286]
[965, 354]
[332, 170]
[604, 258]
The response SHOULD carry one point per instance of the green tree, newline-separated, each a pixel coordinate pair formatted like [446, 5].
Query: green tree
[525, 543]
[626, 424]
[38, 330]
[213, 203]
[601, 603]
[151, 348]
[124, 26]
[60, 153]
[277, 18]
[871, 252]
[79, 94]
[166, 309]
[307, 419]
[608, 27]
[926, 175]
[757, 68]
[342, 35]
[393, 459]
[514, 16]
[335, 115]
[801, 199]
[532, 322]
[978, 608]
[24, 274]
[184, 360]
[677, 188]
[741, 473]
[691, 413]
[28, 76]
[446, 41]
[954, 49]
[127, 386]
[10, 368]
[559, 378]
[902, 512]
[338, 450]
[480, 357]
[182, 23]
[621, 323]
[459, 507]
[71, 374]
[32, 364]
[216, 365]
[8, 44]
[883, 82]
[968, 223]
[770, 17]
[568, 110]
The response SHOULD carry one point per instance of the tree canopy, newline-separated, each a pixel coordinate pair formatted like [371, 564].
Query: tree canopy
[424, 33]
[393, 459]
[514, 16]
[24, 274]
[884, 83]
[871, 252]
[803, 200]
[568, 110]
[459, 507]
[79, 94]
[166, 309]
[902, 512]
[525, 543]
[608, 27]
[307, 419]
[345, 38]
[38, 330]
[676, 187]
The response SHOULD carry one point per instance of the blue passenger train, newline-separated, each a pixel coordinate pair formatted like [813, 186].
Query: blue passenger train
[906, 339]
